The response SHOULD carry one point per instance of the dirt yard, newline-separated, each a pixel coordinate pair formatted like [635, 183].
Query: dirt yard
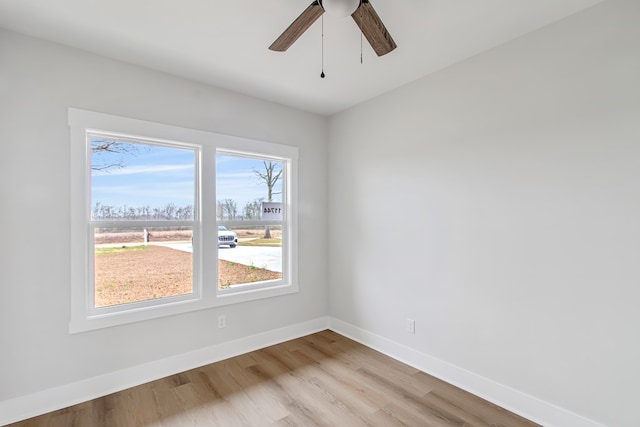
[132, 274]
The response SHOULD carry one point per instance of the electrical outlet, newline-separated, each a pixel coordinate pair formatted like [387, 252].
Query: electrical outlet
[222, 321]
[411, 326]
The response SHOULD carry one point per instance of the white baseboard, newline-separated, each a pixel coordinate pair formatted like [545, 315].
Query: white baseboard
[532, 408]
[39, 403]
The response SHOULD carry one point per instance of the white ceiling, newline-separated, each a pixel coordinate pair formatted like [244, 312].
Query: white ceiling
[224, 42]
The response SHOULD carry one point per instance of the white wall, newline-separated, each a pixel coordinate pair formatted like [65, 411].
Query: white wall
[497, 203]
[38, 82]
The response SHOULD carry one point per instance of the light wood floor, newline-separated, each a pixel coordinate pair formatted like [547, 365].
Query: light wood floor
[320, 380]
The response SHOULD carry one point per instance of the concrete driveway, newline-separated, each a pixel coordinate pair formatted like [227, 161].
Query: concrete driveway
[259, 256]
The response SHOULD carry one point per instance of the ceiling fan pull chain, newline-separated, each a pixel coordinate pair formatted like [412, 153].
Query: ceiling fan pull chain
[322, 71]
[361, 32]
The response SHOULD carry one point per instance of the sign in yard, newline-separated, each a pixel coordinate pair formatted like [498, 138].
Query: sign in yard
[271, 211]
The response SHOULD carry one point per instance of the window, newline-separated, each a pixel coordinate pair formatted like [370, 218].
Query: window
[167, 220]
[143, 205]
[249, 202]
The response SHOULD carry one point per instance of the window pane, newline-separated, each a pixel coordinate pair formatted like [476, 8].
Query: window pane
[136, 181]
[255, 259]
[140, 264]
[243, 186]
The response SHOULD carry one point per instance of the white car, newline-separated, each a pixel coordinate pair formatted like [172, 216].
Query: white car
[227, 237]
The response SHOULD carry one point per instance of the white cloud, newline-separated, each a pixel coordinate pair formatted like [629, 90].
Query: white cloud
[143, 169]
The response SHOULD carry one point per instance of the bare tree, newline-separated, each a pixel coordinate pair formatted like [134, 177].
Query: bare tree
[252, 210]
[270, 176]
[227, 209]
[114, 150]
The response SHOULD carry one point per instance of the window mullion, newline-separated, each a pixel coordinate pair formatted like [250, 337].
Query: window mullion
[207, 242]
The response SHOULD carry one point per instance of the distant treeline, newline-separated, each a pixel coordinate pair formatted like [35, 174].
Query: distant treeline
[168, 212]
[225, 210]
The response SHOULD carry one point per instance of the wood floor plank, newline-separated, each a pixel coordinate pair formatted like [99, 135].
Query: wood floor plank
[380, 418]
[468, 417]
[349, 377]
[323, 379]
[344, 384]
[452, 396]
[407, 402]
[266, 404]
[316, 405]
[299, 413]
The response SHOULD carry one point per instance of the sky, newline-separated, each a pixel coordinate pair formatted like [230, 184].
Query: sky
[236, 179]
[153, 175]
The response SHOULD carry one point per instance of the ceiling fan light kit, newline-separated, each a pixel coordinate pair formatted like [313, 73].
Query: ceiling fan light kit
[364, 16]
[341, 8]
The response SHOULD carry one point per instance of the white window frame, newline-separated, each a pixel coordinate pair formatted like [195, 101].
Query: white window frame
[206, 293]
[286, 241]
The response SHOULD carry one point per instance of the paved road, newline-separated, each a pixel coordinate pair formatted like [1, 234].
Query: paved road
[258, 256]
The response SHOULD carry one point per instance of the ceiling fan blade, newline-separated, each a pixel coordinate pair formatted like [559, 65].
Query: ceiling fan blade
[373, 29]
[298, 27]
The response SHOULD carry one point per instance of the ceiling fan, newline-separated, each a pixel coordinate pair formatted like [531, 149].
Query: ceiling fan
[364, 15]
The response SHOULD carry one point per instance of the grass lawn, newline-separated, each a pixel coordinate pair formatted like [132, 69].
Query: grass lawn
[261, 242]
[118, 250]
